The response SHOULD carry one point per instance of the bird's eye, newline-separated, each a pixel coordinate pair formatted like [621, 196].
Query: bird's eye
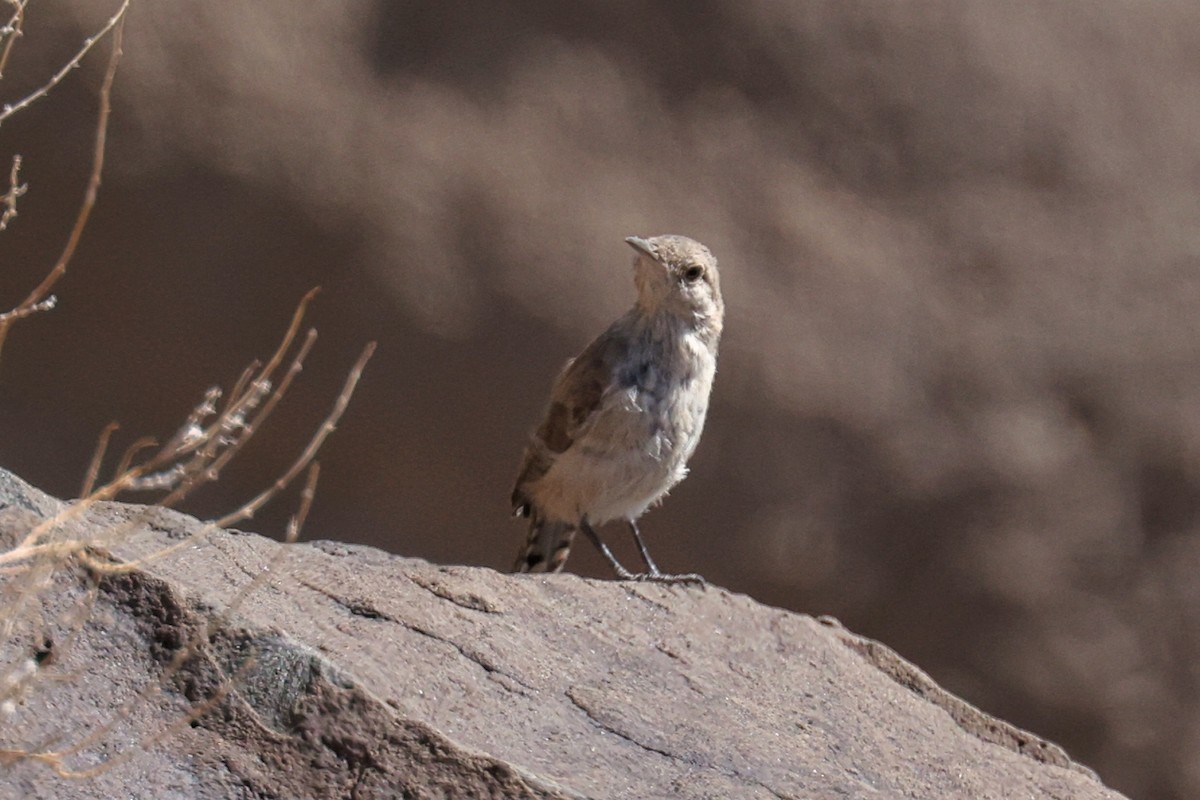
[693, 274]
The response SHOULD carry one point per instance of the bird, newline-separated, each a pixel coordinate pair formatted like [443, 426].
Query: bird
[626, 414]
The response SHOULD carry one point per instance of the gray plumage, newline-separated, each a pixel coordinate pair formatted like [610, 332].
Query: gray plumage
[625, 416]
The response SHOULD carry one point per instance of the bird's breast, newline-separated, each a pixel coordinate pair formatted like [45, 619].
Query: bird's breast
[674, 400]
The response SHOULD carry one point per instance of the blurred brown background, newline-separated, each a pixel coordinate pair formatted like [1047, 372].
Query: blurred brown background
[959, 396]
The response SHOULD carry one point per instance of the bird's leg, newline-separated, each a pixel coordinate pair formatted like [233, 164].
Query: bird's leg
[655, 574]
[641, 546]
[621, 572]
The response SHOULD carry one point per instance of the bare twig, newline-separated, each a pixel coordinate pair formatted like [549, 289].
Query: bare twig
[249, 509]
[249, 427]
[39, 295]
[206, 448]
[242, 381]
[24, 310]
[12, 31]
[89, 480]
[114, 24]
[15, 190]
[125, 467]
[244, 398]
[306, 500]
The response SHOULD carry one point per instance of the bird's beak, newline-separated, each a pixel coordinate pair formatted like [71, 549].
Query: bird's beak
[641, 245]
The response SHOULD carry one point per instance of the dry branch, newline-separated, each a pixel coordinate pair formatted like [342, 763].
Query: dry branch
[12, 31]
[114, 24]
[209, 438]
[15, 190]
[37, 299]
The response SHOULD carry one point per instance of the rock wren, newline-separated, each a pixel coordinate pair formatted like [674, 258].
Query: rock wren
[625, 416]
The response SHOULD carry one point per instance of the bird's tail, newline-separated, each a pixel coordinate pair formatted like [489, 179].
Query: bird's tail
[547, 548]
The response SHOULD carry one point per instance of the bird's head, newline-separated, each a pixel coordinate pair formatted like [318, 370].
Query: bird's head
[677, 275]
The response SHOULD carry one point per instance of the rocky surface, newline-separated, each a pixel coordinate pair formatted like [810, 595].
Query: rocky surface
[343, 671]
[956, 405]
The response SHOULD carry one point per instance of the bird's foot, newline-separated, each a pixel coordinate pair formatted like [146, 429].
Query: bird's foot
[662, 577]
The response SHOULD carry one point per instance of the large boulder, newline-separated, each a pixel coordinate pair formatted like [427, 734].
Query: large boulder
[179, 660]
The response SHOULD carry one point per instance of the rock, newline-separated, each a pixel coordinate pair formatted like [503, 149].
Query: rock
[232, 666]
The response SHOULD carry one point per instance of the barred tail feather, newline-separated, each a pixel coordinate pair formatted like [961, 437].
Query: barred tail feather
[547, 548]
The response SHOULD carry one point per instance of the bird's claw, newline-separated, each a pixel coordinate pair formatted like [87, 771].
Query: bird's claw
[662, 577]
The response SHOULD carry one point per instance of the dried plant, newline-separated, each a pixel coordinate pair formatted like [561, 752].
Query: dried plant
[11, 31]
[40, 298]
[53, 572]
[53, 553]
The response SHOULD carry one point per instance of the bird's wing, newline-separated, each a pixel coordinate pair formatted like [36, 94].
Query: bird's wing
[577, 395]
